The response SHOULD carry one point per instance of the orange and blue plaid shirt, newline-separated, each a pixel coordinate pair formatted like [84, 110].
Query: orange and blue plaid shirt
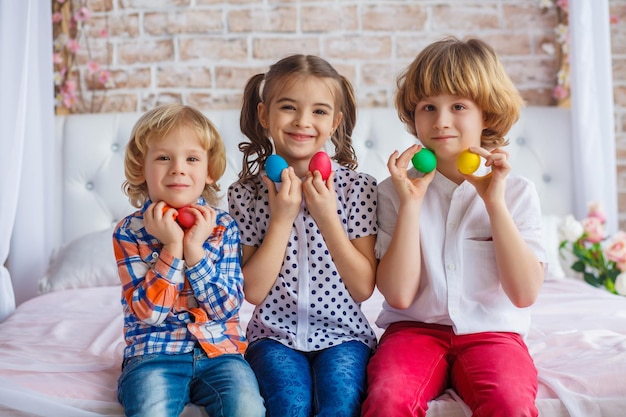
[169, 306]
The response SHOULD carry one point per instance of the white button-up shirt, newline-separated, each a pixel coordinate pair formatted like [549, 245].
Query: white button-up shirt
[459, 284]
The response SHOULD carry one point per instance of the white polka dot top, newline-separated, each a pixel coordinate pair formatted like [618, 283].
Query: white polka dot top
[309, 307]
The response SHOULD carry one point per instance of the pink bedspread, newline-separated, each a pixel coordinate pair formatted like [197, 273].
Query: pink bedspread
[60, 353]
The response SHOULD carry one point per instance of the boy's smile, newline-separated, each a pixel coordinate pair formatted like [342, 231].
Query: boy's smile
[176, 169]
[448, 125]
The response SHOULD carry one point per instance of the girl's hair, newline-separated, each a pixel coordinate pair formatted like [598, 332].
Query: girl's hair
[156, 124]
[469, 69]
[266, 87]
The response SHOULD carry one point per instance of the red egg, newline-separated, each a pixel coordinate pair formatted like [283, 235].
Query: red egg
[321, 162]
[185, 217]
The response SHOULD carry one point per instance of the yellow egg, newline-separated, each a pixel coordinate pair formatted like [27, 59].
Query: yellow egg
[468, 162]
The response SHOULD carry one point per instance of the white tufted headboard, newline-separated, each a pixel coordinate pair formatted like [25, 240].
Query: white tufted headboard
[90, 152]
[89, 157]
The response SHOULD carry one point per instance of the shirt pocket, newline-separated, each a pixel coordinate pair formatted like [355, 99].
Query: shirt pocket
[480, 274]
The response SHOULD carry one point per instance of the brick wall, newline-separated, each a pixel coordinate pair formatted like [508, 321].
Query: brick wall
[618, 46]
[201, 52]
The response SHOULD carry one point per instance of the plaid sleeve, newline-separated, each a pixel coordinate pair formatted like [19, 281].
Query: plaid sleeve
[217, 280]
[151, 279]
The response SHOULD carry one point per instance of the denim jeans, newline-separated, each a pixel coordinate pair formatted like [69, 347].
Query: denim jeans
[161, 385]
[329, 382]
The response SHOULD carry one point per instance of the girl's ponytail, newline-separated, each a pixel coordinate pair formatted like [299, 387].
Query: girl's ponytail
[256, 151]
[342, 137]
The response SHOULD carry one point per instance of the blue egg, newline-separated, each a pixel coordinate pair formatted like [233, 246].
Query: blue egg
[274, 166]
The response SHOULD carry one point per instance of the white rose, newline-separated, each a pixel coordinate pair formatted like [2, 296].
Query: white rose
[620, 284]
[570, 229]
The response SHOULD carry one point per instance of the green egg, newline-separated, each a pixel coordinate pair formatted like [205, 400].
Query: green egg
[424, 161]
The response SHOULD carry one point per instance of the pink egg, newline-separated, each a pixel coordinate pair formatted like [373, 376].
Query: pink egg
[185, 217]
[321, 162]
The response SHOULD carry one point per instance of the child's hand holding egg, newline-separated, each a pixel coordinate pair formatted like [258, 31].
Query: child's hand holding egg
[468, 162]
[274, 165]
[424, 160]
[321, 162]
[183, 216]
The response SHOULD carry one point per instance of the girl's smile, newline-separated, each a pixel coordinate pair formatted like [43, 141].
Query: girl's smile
[301, 119]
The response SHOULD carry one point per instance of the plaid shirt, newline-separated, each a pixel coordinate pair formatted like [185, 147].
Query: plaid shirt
[169, 306]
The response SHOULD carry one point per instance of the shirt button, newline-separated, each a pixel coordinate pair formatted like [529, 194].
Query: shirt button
[154, 255]
[194, 275]
[451, 267]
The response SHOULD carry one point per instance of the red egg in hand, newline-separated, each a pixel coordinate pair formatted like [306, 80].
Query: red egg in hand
[185, 217]
[321, 162]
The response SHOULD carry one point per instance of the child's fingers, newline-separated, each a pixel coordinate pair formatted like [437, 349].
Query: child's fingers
[400, 163]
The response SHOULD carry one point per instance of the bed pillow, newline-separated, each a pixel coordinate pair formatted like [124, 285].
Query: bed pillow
[87, 261]
[551, 243]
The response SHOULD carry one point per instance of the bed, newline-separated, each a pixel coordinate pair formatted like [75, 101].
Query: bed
[60, 352]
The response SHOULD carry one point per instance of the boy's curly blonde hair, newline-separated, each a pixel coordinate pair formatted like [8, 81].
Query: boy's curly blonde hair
[469, 69]
[157, 123]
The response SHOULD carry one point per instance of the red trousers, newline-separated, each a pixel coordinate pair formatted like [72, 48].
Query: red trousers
[416, 362]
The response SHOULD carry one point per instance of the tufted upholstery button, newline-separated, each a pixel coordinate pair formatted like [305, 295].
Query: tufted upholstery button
[89, 185]
[521, 141]
[547, 178]
[115, 147]
[369, 144]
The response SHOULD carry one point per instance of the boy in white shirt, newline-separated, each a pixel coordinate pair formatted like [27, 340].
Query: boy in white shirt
[460, 255]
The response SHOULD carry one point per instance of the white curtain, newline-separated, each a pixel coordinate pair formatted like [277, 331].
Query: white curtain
[27, 120]
[593, 126]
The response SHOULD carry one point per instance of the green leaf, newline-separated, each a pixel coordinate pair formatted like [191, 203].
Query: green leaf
[592, 280]
[610, 285]
[578, 266]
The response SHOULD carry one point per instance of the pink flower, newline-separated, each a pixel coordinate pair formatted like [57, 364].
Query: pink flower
[57, 58]
[594, 229]
[93, 67]
[563, 4]
[70, 86]
[82, 15]
[614, 20]
[73, 45]
[60, 1]
[560, 92]
[57, 17]
[105, 78]
[616, 251]
[595, 210]
[104, 33]
[68, 94]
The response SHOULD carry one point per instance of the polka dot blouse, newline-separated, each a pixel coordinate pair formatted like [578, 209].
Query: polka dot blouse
[308, 307]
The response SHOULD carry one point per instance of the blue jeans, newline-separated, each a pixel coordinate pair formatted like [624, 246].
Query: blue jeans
[329, 382]
[161, 385]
